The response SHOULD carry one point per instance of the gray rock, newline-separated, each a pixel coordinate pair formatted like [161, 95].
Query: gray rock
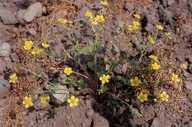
[97, 5]
[186, 74]
[152, 18]
[5, 49]
[2, 66]
[100, 121]
[61, 93]
[148, 112]
[157, 122]
[79, 3]
[188, 85]
[33, 11]
[121, 68]
[4, 88]
[82, 11]
[7, 17]
[13, 57]
[32, 32]
[89, 113]
[120, 23]
[170, 2]
[128, 6]
[40, 106]
[149, 27]
[19, 16]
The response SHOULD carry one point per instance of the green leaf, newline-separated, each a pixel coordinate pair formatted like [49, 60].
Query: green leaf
[49, 26]
[32, 56]
[126, 81]
[68, 80]
[105, 88]
[30, 92]
[132, 63]
[81, 85]
[90, 65]
[113, 103]
[24, 39]
[18, 65]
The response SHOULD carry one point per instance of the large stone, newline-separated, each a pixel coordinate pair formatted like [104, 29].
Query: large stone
[100, 121]
[188, 85]
[32, 32]
[34, 11]
[4, 88]
[2, 66]
[40, 106]
[7, 17]
[129, 6]
[5, 49]
[79, 3]
[60, 94]
[19, 16]
[157, 122]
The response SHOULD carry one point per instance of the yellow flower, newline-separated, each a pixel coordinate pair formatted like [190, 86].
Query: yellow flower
[132, 27]
[150, 39]
[164, 96]
[28, 45]
[100, 18]
[13, 78]
[28, 101]
[68, 70]
[159, 27]
[135, 23]
[136, 16]
[89, 14]
[45, 99]
[73, 101]
[155, 100]
[142, 97]
[168, 35]
[93, 21]
[153, 57]
[70, 22]
[104, 3]
[175, 78]
[129, 44]
[36, 51]
[135, 82]
[45, 45]
[62, 21]
[104, 78]
[155, 66]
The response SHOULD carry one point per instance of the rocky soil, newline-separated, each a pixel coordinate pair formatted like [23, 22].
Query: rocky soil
[25, 18]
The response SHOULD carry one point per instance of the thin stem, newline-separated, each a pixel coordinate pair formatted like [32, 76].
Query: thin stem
[81, 75]
[39, 76]
[95, 57]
